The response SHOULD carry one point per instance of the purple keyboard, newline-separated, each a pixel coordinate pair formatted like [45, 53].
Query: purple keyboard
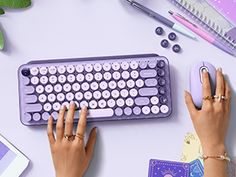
[113, 88]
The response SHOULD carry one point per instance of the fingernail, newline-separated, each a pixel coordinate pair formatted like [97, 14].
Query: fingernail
[96, 129]
[204, 71]
[220, 69]
[62, 107]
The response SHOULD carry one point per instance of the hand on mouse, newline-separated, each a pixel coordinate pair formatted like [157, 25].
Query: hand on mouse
[211, 122]
[70, 156]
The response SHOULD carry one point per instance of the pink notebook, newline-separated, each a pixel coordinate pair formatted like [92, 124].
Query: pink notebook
[227, 7]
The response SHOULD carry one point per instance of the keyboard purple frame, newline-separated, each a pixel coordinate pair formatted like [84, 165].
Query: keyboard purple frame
[53, 62]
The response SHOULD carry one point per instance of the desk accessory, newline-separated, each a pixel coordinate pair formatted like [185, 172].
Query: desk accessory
[12, 161]
[201, 33]
[210, 19]
[161, 19]
[11, 4]
[114, 88]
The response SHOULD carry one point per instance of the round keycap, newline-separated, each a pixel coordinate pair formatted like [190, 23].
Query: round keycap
[152, 64]
[25, 72]
[49, 88]
[164, 109]
[98, 76]
[129, 102]
[128, 111]
[56, 106]
[44, 79]
[130, 83]
[103, 85]
[163, 99]
[79, 68]
[71, 78]
[155, 109]
[27, 117]
[143, 64]
[97, 95]
[111, 103]
[146, 110]
[97, 67]
[124, 93]
[89, 77]
[43, 70]
[106, 66]
[70, 69]
[172, 36]
[52, 70]
[88, 67]
[162, 90]
[161, 72]
[161, 64]
[70, 96]
[125, 65]
[133, 92]
[136, 110]
[39, 89]
[115, 93]
[93, 104]
[164, 43]
[53, 79]
[106, 94]
[66, 104]
[80, 77]
[107, 76]
[60, 97]
[47, 107]
[34, 71]
[79, 96]
[154, 100]
[112, 85]
[176, 48]
[115, 66]
[133, 65]
[159, 31]
[121, 84]
[125, 74]
[45, 116]
[42, 98]
[34, 80]
[134, 74]
[55, 115]
[58, 88]
[139, 83]
[62, 79]
[120, 102]
[102, 103]
[36, 117]
[76, 87]
[88, 95]
[51, 97]
[67, 87]
[94, 85]
[116, 75]
[85, 86]
[161, 81]
[118, 112]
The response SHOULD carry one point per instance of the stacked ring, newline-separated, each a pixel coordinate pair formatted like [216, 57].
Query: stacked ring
[69, 137]
[80, 136]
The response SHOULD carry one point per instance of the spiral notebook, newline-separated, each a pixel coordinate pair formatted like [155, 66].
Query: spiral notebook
[209, 15]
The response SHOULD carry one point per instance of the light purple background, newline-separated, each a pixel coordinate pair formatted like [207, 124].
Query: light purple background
[79, 28]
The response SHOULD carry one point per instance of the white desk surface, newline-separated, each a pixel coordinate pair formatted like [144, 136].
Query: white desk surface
[78, 28]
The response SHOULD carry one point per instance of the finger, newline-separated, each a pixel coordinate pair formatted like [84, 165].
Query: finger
[70, 119]
[81, 127]
[227, 95]
[206, 87]
[220, 85]
[60, 123]
[91, 143]
[190, 105]
[51, 137]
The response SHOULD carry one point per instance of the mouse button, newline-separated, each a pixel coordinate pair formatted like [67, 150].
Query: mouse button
[201, 71]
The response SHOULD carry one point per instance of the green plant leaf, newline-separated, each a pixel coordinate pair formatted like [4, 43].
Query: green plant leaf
[1, 41]
[15, 3]
[1, 11]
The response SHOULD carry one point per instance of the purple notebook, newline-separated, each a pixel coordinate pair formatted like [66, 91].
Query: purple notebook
[227, 7]
[162, 168]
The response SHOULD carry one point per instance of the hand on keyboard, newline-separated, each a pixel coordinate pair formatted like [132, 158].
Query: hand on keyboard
[71, 157]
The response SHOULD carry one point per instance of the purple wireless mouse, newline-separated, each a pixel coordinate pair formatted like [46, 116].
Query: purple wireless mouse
[196, 81]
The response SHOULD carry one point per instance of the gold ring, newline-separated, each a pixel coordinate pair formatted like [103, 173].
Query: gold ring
[69, 137]
[80, 136]
[207, 98]
[220, 97]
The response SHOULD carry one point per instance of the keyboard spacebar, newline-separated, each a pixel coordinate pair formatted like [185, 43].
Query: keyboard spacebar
[97, 113]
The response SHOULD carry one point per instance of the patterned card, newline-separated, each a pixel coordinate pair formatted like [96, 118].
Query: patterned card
[161, 168]
[196, 169]
[192, 148]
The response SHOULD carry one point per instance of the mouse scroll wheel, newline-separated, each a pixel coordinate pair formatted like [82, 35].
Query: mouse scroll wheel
[201, 71]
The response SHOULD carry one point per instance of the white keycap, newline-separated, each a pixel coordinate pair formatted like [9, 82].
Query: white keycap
[45, 116]
[88, 95]
[49, 88]
[120, 102]
[96, 113]
[155, 109]
[30, 99]
[58, 88]
[79, 96]
[130, 83]
[70, 69]
[94, 85]
[61, 69]
[93, 104]
[128, 111]
[121, 84]
[34, 71]
[39, 89]
[124, 93]
[97, 67]
[85, 86]
[34, 80]
[129, 102]
[43, 70]
[97, 95]
[88, 67]
[133, 64]
[106, 94]
[42, 98]
[134, 74]
[125, 74]
[60, 97]
[56, 106]
[103, 85]
[111, 103]
[26, 80]
[29, 90]
[107, 76]
[83, 103]
[76, 87]
[51, 97]
[98, 76]
[115, 93]
[125, 65]
[146, 110]
[62, 79]
[89, 77]
[52, 79]
[102, 103]
[80, 77]
[44, 79]
[139, 83]
[36, 117]
[106, 66]
[52, 70]
[154, 100]
[116, 75]
[133, 92]
[79, 68]
[71, 78]
[47, 107]
[67, 87]
[70, 96]
[164, 109]
[112, 85]
[115, 66]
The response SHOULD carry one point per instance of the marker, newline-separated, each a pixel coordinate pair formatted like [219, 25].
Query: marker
[161, 19]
